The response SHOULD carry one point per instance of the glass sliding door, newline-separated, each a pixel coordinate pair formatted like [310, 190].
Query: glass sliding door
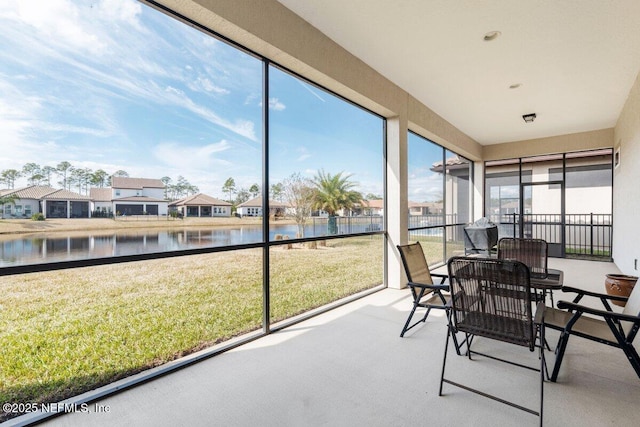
[565, 199]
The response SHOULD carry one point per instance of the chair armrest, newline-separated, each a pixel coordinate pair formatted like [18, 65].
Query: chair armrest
[603, 313]
[539, 316]
[444, 277]
[425, 286]
[593, 294]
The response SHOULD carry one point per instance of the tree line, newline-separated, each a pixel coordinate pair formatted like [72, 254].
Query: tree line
[64, 174]
[81, 180]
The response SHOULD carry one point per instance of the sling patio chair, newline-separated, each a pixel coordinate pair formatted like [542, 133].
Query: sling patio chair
[491, 298]
[425, 293]
[604, 326]
[531, 252]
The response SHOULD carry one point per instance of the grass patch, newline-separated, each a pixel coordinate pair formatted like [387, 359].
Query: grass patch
[65, 332]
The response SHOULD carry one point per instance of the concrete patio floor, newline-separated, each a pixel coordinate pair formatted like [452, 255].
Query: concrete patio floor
[349, 367]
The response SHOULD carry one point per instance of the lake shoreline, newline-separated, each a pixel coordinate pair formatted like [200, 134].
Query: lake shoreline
[9, 228]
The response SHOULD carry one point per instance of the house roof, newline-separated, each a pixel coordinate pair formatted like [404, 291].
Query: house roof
[65, 195]
[38, 192]
[376, 204]
[30, 192]
[257, 203]
[100, 194]
[135, 183]
[436, 205]
[200, 199]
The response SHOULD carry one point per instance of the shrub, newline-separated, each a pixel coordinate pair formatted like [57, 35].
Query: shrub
[37, 217]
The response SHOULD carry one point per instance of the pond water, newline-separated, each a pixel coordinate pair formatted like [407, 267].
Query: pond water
[97, 244]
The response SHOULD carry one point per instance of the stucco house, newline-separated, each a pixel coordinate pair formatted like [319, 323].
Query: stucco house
[253, 207]
[137, 196]
[101, 200]
[373, 207]
[51, 202]
[201, 205]
[425, 208]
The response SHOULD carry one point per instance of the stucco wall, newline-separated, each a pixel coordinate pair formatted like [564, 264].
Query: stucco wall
[582, 141]
[626, 191]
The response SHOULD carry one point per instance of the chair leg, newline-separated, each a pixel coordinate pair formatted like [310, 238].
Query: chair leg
[406, 325]
[453, 334]
[633, 357]
[444, 360]
[560, 348]
[543, 368]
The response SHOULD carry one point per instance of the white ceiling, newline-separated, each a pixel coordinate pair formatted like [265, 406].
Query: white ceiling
[575, 59]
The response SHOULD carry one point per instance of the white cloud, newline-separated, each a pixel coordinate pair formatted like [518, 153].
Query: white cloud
[425, 187]
[203, 84]
[304, 154]
[190, 157]
[241, 127]
[276, 105]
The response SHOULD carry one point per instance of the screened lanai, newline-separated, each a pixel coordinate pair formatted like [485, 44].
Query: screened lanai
[411, 105]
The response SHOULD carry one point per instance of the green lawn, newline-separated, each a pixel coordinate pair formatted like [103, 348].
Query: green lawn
[66, 332]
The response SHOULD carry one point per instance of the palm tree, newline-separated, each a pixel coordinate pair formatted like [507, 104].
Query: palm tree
[334, 192]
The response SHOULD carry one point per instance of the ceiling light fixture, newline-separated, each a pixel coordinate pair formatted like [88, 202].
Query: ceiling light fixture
[529, 118]
[491, 35]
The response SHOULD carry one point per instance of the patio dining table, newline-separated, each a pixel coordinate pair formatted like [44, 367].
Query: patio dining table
[542, 284]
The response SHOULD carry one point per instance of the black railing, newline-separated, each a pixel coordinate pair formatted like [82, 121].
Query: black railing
[345, 225]
[430, 220]
[584, 234]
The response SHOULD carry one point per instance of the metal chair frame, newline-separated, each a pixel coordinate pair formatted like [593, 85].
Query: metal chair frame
[425, 293]
[607, 327]
[492, 298]
[534, 253]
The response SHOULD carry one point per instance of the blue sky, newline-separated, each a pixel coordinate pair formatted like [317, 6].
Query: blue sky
[114, 84]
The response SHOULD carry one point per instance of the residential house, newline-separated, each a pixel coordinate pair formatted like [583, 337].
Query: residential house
[101, 201]
[138, 196]
[253, 207]
[373, 207]
[425, 208]
[201, 205]
[51, 202]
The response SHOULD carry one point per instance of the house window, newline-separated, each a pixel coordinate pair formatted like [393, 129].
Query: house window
[117, 192]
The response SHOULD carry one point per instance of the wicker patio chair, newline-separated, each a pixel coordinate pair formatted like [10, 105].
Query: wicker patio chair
[425, 293]
[491, 298]
[604, 326]
[531, 252]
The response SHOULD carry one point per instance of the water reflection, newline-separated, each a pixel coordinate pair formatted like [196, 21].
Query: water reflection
[97, 244]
